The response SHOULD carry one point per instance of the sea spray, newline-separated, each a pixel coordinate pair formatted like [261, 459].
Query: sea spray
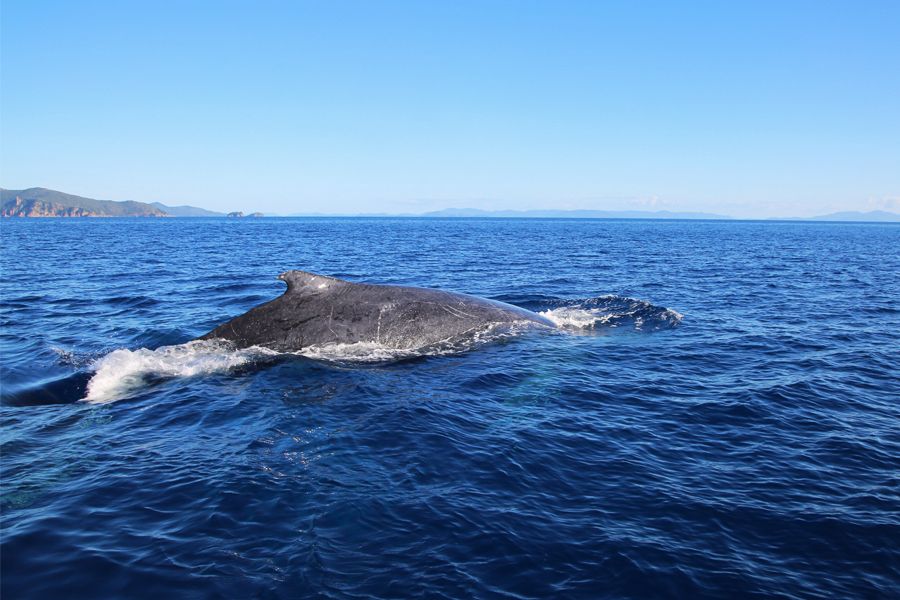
[609, 312]
[121, 372]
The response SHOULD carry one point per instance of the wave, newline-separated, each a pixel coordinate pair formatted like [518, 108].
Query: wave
[122, 372]
[608, 312]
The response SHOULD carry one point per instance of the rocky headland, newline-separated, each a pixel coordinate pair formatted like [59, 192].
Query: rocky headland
[42, 202]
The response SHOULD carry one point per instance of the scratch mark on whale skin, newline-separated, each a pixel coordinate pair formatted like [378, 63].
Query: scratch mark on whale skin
[330, 321]
[459, 314]
[378, 326]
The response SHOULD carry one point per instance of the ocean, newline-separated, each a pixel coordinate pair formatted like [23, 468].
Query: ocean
[718, 415]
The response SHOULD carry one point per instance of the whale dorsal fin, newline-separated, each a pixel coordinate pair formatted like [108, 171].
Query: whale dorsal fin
[302, 281]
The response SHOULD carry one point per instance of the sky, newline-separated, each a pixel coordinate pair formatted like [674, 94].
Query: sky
[750, 109]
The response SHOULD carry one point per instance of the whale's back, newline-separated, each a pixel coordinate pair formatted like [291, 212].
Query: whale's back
[319, 310]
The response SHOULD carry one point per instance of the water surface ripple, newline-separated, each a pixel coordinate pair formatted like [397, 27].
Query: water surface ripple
[750, 451]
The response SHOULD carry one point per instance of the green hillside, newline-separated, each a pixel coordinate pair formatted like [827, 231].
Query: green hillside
[41, 202]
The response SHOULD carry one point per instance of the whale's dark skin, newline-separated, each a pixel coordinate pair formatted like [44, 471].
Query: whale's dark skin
[318, 310]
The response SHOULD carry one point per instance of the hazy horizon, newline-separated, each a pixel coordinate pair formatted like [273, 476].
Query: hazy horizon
[750, 111]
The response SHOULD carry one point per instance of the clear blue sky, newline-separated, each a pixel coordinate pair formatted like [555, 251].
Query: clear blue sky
[745, 108]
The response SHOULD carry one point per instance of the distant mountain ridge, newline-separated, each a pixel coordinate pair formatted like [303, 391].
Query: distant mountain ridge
[43, 202]
[186, 211]
[572, 214]
[477, 213]
[873, 216]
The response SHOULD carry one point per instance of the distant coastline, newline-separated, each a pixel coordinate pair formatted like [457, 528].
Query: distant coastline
[43, 202]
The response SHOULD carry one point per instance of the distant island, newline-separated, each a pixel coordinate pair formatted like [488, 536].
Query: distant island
[238, 214]
[185, 211]
[571, 214]
[872, 216]
[877, 216]
[475, 213]
[42, 202]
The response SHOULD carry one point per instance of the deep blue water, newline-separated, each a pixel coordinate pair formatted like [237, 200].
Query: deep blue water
[750, 450]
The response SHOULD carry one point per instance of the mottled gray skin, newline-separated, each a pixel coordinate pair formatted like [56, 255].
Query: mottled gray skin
[318, 310]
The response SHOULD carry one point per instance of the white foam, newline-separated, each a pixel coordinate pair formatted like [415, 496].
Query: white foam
[121, 372]
[672, 316]
[568, 317]
[575, 318]
[364, 352]
[357, 352]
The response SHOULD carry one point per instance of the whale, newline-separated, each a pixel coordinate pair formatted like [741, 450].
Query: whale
[318, 310]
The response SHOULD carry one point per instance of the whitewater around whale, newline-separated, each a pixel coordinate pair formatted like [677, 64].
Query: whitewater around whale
[380, 326]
